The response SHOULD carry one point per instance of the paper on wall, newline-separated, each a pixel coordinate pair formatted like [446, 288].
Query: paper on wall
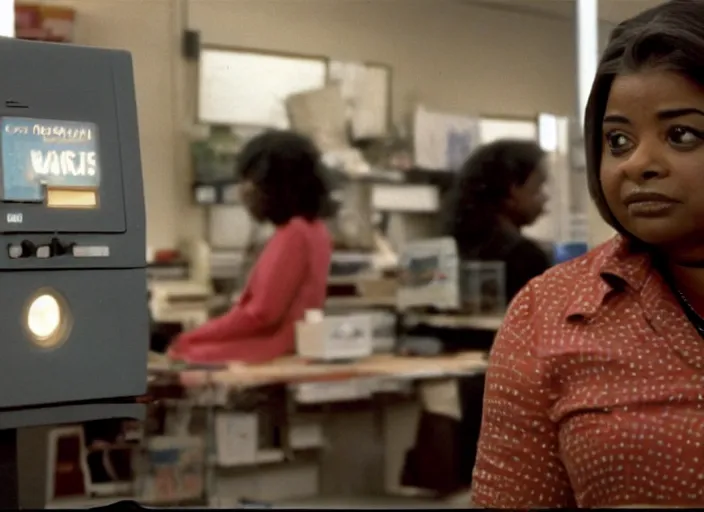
[443, 141]
[370, 116]
[365, 90]
[320, 115]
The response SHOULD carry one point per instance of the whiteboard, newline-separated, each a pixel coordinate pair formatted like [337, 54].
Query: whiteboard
[249, 88]
[492, 129]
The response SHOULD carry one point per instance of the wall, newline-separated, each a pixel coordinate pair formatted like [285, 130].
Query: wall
[451, 56]
[454, 56]
[145, 28]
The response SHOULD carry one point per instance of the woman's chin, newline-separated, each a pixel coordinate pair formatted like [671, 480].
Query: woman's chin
[657, 232]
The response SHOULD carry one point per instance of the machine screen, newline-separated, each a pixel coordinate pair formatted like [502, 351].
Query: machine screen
[51, 162]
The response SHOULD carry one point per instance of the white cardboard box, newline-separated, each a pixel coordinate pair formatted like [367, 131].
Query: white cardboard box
[237, 438]
[335, 337]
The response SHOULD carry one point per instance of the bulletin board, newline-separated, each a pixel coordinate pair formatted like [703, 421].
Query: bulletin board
[249, 87]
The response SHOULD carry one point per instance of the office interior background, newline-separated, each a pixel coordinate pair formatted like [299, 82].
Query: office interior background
[401, 74]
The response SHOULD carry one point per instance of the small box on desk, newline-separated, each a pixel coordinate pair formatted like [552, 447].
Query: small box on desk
[483, 287]
[334, 337]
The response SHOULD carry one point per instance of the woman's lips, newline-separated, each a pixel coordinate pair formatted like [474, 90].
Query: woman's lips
[649, 204]
[651, 208]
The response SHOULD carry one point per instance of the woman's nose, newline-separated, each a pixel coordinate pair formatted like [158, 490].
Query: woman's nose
[644, 164]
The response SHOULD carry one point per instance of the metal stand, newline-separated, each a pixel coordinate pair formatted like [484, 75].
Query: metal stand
[9, 481]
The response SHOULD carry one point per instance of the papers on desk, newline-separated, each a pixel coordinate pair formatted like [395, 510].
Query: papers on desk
[337, 391]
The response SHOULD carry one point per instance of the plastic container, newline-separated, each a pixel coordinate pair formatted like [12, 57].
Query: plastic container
[483, 287]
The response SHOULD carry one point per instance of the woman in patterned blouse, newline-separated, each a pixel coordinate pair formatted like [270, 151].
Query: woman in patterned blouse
[595, 390]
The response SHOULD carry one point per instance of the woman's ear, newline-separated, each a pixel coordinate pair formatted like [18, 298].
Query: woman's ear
[513, 197]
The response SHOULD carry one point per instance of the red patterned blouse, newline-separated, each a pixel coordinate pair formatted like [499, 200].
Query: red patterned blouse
[595, 392]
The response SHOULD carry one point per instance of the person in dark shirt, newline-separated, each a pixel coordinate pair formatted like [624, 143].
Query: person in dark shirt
[499, 191]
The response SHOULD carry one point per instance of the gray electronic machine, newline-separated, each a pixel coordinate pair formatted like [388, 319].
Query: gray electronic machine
[73, 300]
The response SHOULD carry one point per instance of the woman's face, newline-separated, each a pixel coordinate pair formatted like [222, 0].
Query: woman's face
[526, 203]
[652, 166]
[251, 197]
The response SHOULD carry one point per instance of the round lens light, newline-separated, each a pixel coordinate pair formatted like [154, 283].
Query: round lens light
[44, 318]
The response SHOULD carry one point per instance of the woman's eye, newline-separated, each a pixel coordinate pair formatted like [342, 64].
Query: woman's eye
[618, 141]
[682, 136]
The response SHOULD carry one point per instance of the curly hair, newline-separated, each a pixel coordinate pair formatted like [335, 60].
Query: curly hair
[482, 186]
[285, 169]
[669, 36]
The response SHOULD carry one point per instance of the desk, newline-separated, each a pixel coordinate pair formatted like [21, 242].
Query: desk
[296, 370]
[365, 445]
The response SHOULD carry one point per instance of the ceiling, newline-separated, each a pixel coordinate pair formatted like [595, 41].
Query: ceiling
[612, 11]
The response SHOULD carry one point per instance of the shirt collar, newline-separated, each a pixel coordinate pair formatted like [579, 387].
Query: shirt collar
[614, 267]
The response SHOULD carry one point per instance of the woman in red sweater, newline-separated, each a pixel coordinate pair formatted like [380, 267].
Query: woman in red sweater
[282, 184]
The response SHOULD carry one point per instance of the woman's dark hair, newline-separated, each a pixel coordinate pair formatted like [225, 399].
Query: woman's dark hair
[484, 183]
[285, 169]
[668, 37]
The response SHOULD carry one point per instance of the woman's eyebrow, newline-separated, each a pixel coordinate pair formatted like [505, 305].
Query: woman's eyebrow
[678, 112]
[616, 119]
[663, 115]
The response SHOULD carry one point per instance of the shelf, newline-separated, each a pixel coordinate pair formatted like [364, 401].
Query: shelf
[352, 280]
[85, 502]
[225, 192]
[448, 321]
[215, 193]
[359, 302]
[263, 457]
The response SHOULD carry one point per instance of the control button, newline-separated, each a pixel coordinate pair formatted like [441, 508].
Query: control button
[21, 250]
[91, 251]
[15, 251]
[43, 251]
